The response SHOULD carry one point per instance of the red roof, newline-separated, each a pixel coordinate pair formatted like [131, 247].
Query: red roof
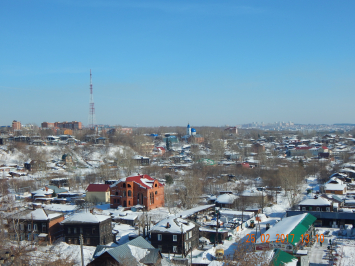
[98, 188]
[138, 179]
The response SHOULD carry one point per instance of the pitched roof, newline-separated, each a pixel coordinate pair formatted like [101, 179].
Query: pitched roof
[137, 248]
[36, 215]
[293, 225]
[316, 202]
[98, 188]
[282, 258]
[144, 181]
[85, 217]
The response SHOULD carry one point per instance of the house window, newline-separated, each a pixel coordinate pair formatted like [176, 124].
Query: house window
[156, 192]
[124, 185]
[35, 227]
[151, 198]
[124, 193]
[69, 240]
[328, 209]
[75, 230]
[160, 237]
[69, 231]
[114, 201]
[175, 249]
[318, 209]
[190, 234]
[81, 230]
[44, 228]
[22, 227]
[87, 241]
[128, 185]
[303, 208]
[29, 227]
[93, 230]
[116, 193]
[129, 193]
[174, 237]
[160, 248]
[75, 241]
[310, 208]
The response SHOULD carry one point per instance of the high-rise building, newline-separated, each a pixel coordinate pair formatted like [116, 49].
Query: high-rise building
[16, 125]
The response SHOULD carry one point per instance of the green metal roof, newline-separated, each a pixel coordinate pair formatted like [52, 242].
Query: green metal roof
[302, 228]
[281, 258]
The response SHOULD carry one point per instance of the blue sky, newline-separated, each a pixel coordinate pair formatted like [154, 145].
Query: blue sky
[167, 63]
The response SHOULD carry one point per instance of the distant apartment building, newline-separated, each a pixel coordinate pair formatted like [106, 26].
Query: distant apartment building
[68, 125]
[16, 125]
[47, 125]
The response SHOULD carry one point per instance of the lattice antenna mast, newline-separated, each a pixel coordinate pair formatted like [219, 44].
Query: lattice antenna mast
[91, 106]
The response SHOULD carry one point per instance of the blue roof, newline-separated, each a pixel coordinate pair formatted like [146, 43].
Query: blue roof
[193, 130]
[188, 125]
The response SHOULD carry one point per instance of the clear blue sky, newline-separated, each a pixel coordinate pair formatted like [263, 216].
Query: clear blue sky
[172, 62]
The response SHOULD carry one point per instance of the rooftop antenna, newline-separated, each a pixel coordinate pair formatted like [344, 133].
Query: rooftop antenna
[91, 106]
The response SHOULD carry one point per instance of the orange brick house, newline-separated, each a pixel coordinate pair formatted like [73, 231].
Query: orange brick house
[137, 190]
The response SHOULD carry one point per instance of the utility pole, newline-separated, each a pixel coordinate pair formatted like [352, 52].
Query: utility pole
[262, 200]
[81, 248]
[182, 241]
[215, 241]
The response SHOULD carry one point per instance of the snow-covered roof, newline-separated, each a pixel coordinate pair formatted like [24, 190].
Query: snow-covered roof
[144, 181]
[226, 198]
[316, 202]
[42, 192]
[334, 186]
[61, 207]
[187, 213]
[86, 217]
[285, 227]
[36, 215]
[176, 225]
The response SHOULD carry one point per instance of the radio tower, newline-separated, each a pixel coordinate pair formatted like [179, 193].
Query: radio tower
[91, 107]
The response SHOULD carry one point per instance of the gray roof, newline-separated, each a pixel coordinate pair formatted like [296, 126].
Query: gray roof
[124, 252]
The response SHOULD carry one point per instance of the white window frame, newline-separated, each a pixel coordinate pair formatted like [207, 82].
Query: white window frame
[318, 209]
[160, 237]
[328, 209]
[190, 234]
[303, 208]
[174, 237]
[35, 227]
[29, 227]
[175, 250]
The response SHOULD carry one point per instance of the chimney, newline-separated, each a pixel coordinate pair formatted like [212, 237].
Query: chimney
[167, 225]
[46, 189]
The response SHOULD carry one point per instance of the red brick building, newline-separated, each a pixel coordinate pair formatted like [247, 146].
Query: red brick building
[137, 190]
[68, 125]
[16, 125]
